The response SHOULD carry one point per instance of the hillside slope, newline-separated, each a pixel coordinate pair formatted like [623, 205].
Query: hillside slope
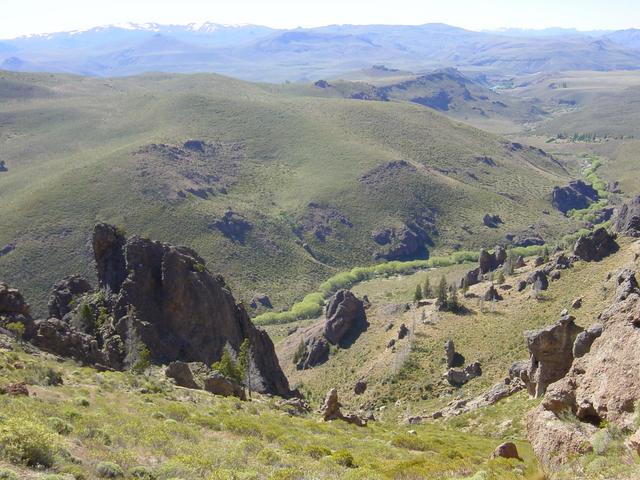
[281, 188]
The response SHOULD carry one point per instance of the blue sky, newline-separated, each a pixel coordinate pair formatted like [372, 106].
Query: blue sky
[21, 17]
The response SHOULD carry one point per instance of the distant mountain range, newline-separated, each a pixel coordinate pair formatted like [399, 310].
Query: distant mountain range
[260, 53]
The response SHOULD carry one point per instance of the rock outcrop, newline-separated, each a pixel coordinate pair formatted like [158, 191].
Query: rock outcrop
[331, 410]
[457, 377]
[345, 320]
[453, 358]
[551, 353]
[506, 450]
[260, 300]
[14, 309]
[595, 246]
[602, 386]
[64, 293]
[627, 219]
[491, 294]
[575, 196]
[406, 243]
[491, 221]
[538, 280]
[157, 301]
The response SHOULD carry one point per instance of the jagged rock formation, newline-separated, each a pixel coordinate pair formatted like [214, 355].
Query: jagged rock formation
[345, 320]
[157, 301]
[457, 377]
[63, 294]
[575, 196]
[14, 309]
[627, 219]
[595, 246]
[551, 353]
[453, 358]
[487, 262]
[331, 410]
[601, 386]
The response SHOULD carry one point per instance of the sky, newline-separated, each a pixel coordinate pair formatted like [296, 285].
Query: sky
[23, 17]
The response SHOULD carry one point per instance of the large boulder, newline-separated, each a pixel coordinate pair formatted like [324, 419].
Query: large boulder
[64, 293]
[345, 318]
[551, 353]
[405, 243]
[538, 280]
[314, 351]
[181, 374]
[575, 196]
[627, 219]
[602, 386]
[59, 337]
[220, 385]
[458, 377]
[595, 246]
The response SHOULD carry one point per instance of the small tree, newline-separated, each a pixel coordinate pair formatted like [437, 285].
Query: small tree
[465, 284]
[244, 363]
[417, 296]
[452, 303]
[499, 277]
[427, 291]
[545, 254]
[227, 366]
[441, 292]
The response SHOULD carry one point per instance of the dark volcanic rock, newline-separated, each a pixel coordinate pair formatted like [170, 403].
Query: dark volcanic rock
[407, 243]
[346, 318]
[457, 378]
[164, 300]
[360, 387]
[491, 221]
[551, 350]
[506, 450]
[14, 309]
[233, 226]
[260, 299]
[575, 196]
[627, 219]
[453, 358]
[524, 239]
[538, 280]
[322, 84]
[403, 331]
[316, 352]
[595, 246]
[3, 166]
[65, 292]
[492, 294]
[108, 251]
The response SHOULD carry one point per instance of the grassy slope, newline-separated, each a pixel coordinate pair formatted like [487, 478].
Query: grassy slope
[69, 152]
[136, 421]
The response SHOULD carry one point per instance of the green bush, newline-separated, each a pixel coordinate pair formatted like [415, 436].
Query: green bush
[27, 442]
[344, 458]
[60, 426]
[81, 401]
[409, 442]
[6, 474]
[317, 451]
[109, 470]
[142, 473]
[17, 328]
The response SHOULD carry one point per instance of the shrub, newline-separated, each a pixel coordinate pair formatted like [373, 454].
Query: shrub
[109, 470]
[144, 359]
[81, 401]
[17, 328]
[30, 443]
[142, 473]
[409, 442]
[317, 451]
[60, 426]
[6, 474]
[343, 458]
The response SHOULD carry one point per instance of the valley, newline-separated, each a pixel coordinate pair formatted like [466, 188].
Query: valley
[341, 252]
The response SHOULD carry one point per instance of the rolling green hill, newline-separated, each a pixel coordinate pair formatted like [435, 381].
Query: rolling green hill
[282, 189]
